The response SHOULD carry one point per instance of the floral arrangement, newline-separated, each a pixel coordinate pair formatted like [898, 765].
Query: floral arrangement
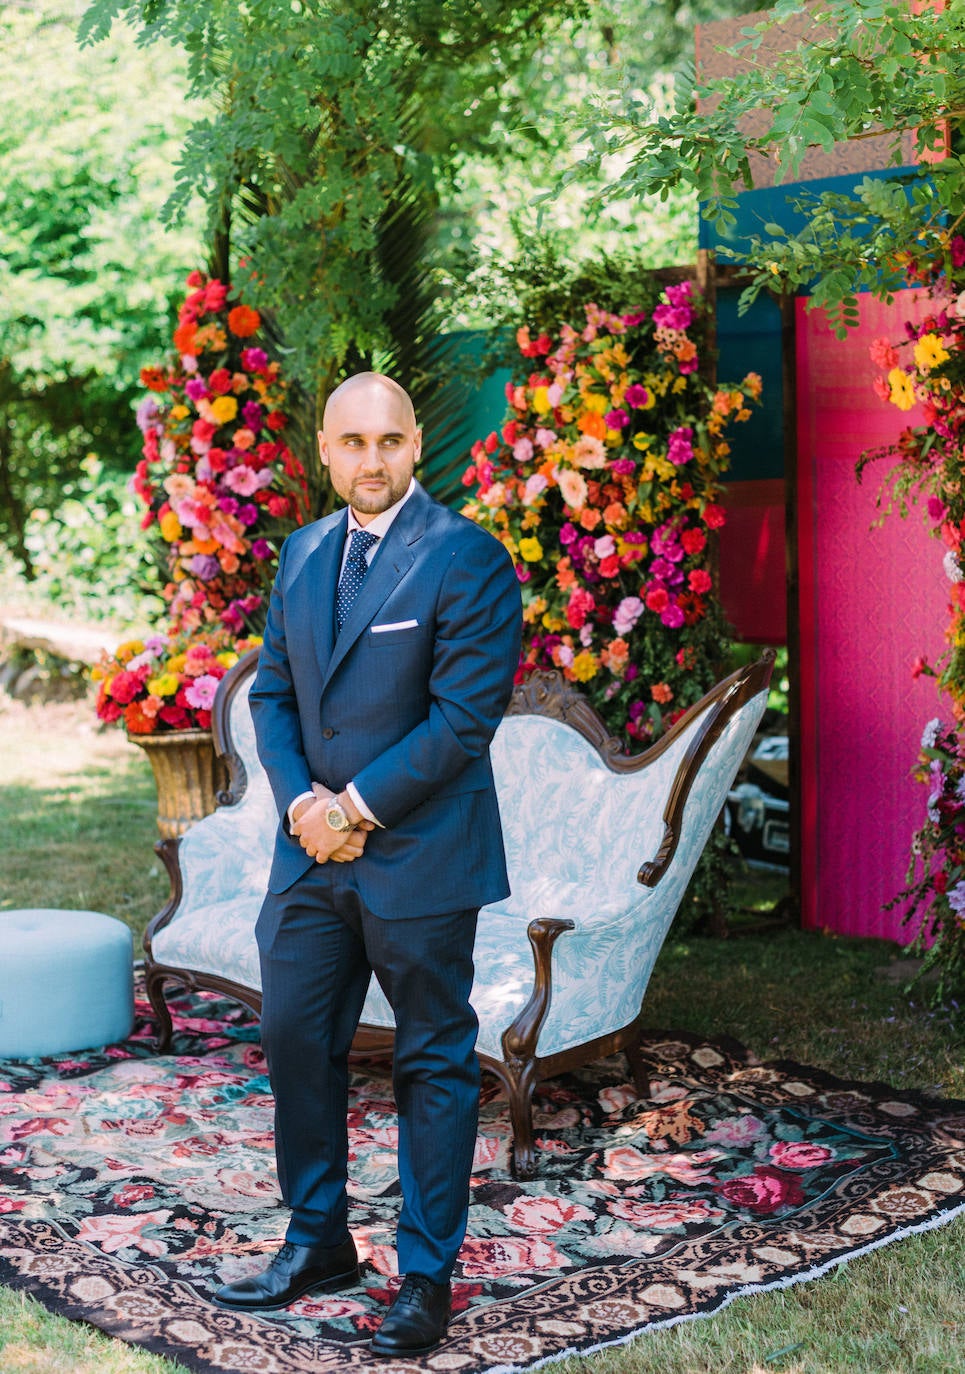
[164, 683]
[605, 486]
[221, 486]
[927, 368]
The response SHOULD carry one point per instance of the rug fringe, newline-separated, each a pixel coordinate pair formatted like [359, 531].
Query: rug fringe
[749, 1290]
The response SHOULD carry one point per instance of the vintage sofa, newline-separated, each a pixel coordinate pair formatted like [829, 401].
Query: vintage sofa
[600, 848]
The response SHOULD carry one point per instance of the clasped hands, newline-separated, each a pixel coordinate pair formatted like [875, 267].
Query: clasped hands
[316, 836]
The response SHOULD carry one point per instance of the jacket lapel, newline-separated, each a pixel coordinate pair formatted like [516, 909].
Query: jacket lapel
[391, 563]
[323, 570]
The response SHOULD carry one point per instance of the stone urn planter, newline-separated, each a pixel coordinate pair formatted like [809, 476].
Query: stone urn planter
[188, 775]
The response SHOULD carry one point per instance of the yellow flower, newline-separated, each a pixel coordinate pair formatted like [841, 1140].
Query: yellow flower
[902, 391]
[584, 666]
[228, 659]
[164, 686]
[541, 400]
[179, 412]
[680, 384]
[596, 403]
[129, 649]
[929, 353]
[170, 526]
[224, 409]
[531, 550]
[176, 664]
[553, 623]
[642, 441]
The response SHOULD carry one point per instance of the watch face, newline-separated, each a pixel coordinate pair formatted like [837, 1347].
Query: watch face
[337, 819]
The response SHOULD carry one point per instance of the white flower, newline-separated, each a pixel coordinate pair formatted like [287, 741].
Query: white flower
[952, 567]
[956, 898]
[930, 733]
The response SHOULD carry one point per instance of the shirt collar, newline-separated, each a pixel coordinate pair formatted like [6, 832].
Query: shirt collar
[379, 526]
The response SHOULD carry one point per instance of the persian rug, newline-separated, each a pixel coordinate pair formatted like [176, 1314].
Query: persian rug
[132, 1185]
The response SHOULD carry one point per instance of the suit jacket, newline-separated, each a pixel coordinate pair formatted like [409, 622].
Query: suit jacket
[404, 702]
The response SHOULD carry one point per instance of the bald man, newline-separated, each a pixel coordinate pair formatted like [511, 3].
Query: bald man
[391, 645]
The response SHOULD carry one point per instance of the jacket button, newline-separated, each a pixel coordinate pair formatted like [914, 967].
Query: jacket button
[328, 732]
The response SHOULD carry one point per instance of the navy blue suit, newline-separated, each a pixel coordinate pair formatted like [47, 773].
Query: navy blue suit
[407, 714]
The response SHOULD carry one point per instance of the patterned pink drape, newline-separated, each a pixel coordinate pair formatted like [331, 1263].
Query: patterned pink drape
[871, 600]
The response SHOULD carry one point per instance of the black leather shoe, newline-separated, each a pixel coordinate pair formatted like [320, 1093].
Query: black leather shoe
[294, 1271]
[417, 1320]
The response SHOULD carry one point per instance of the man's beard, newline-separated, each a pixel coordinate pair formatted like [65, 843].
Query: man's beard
[374, 503]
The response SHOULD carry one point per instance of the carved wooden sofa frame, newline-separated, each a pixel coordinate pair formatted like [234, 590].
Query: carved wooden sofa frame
[706, 746]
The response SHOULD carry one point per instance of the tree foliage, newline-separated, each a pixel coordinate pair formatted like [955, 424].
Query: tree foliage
[86, 273]
[862, 67]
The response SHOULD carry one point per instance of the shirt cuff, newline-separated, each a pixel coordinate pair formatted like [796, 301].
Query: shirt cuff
[302, 796]
[353, 792]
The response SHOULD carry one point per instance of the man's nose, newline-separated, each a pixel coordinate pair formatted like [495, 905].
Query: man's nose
[371, 459]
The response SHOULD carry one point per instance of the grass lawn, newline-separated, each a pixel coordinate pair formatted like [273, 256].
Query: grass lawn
[77, 820]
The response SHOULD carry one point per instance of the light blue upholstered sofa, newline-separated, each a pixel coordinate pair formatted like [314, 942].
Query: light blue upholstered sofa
[600, 848]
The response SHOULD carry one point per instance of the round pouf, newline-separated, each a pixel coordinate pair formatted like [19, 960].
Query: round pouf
[66, 982]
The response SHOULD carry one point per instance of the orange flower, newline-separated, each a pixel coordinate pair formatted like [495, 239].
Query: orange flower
[661, 693]
[590, 518]
[243, 321]
[185, 340]
[592, 424]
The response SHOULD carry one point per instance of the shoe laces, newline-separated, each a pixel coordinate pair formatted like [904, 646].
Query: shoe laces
[416, 1291]
[286, 1253]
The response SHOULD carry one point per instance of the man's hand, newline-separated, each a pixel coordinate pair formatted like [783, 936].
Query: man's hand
[316, 836]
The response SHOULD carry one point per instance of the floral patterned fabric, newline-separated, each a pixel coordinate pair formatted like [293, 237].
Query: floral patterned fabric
[132, 1185]
[576, 834]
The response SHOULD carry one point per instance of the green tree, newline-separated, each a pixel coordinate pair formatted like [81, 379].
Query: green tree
[87, 274]
[861, 67]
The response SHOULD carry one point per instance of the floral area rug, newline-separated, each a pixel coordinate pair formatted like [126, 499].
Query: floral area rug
[132, 1185]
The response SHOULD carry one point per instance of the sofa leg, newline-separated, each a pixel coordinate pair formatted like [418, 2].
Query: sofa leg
[641, 1078]
[154, 984]
[520, 1088]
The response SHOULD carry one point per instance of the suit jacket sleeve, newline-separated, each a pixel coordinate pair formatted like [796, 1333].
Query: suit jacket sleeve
[273, 701]
[476, 653]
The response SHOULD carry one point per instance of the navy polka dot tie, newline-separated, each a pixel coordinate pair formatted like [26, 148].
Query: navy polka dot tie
[353, 574]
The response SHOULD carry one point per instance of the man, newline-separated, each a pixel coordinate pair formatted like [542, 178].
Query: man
[390, 649]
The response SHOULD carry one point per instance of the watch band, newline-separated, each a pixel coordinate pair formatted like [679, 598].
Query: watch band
[336, 818]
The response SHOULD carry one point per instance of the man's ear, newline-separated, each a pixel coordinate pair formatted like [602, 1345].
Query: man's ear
[322, 448]
[417, 443]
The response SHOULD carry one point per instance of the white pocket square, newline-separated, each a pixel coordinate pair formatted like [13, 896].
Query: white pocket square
[396, 625]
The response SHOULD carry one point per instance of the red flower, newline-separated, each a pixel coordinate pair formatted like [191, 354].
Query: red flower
[220, 381]
[276, 420]
[764, 1191]
[125, 687]
[714, 516]
[137, 721]
[154, 378]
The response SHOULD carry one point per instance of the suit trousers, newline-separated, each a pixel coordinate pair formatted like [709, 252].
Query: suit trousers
[318, 944]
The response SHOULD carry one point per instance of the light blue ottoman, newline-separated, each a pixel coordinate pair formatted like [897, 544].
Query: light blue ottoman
[66, 981]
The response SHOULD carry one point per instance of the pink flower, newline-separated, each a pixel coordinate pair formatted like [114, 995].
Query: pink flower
[672, 616]
[957, 251]
[505, 1255]
[544, 1214]
[112, 1233]
[883, 354]
[661, 1216]
[523, 450]
[243, 480]
[201, 693]
[617, 419]
[700, 581]
[799, 1154]
[581, 604]
[626, 615]
[545, 437]
[589, 452]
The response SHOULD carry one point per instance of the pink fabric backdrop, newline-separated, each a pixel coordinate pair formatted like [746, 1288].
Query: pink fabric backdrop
[871, 601]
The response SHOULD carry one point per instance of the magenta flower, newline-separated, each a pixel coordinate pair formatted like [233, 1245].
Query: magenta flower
[617, 419]
[261, 549]
[254, 359]
[672, 616]
[636, 395]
